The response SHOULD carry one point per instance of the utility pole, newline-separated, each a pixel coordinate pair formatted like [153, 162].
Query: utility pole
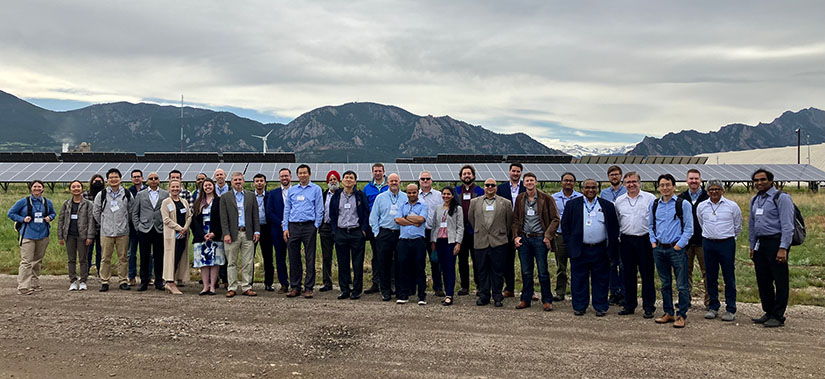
[798, 149]
[181, 123]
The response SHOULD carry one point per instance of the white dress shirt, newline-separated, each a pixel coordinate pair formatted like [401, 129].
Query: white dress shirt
[721, 220]
[634, 213]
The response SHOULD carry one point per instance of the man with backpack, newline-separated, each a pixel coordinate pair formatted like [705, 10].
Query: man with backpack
[32, 216]
[112, 210]
[671, 223]
[771, 233]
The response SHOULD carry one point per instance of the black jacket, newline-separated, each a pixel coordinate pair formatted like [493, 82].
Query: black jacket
[362, 208]
[214, 223]
[696, 239]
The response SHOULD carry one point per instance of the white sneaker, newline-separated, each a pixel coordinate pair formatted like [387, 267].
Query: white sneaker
[73, 286]
[422, 302]
[400, 301]
[82, 286]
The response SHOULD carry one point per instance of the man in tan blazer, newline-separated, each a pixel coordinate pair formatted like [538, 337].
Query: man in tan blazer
[491, 217]
[241, 229]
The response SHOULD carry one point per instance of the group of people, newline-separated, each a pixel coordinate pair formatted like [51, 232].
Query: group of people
[610, 239]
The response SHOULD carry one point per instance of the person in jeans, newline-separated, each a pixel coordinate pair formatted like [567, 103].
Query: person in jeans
[34, 236]
[76, 230]
[446, 238]
[96, 184]
[721, 222]
[669, 237]
[112, 210]
[535, 221]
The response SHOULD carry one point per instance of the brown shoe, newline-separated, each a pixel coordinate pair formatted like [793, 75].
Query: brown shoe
[231, 293]
[293, 293]
[522, 305]
[250, 292]
[679, 323]
[308, 294]
[507, 294]
[666, 318]
[548, 307]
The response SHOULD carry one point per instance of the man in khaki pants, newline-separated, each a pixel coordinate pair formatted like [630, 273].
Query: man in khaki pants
[34, 222]
[241, 229]
[112, 210]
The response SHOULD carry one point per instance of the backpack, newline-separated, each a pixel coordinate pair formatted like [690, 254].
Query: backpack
[678, 213]
[799, 231]
[104, 197]
[30, 213]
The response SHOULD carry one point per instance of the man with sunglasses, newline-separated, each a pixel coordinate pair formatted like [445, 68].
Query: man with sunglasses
[491, 216]
[770, 229]
[434, 202]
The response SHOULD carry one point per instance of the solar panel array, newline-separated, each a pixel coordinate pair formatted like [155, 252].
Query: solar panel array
[63, 172]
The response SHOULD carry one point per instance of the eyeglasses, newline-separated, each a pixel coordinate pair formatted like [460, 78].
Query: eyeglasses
[425, 179]
[488, 185]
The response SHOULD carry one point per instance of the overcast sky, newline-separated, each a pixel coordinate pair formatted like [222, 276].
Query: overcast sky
[568, 71]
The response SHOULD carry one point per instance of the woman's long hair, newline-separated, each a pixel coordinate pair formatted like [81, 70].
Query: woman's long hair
[200, 202]
[454, 202]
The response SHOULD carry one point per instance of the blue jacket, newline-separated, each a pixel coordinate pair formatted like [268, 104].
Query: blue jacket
[371, 191]
[20, 210]
[572, 227]
[275, 210]
[361, 207]
[503, 190]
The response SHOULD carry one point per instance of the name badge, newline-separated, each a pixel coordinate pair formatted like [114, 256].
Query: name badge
[592, 213]
[207, 211]
[392, 212]
[466, 196]
[712, 218]
[444, 224]
[531, 212]
[759, 211]
[588, 222]
[38, 217]
[347, 205]
[207, 218]
[170, 207]
[114, 207]
[489, 207]
[394, 207]
[183, 210]
[300, 198]
[38, 214]
[74, 217]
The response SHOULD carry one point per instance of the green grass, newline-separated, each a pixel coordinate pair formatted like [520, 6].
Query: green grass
[807, 262]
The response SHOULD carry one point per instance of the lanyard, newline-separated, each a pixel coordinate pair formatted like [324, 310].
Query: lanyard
[590, 209]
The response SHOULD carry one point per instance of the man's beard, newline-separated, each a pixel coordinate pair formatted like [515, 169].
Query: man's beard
[468, 181]
[334, 187]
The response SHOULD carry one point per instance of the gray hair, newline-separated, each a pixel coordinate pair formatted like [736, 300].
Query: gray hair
[715, 183]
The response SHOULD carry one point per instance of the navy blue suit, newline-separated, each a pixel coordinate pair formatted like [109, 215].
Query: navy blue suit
[589, 261]
[275, 217]
[503, 190]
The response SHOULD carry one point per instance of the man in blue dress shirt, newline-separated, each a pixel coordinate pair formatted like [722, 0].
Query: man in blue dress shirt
[412, 219]
[386, 232]
[567, 193]
[303, 211]
[669, 236]
[770, 229]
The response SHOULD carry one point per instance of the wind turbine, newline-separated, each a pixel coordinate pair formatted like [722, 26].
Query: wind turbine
[263, 138]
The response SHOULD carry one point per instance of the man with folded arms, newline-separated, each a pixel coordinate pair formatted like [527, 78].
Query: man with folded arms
[303, 211]
[721, 222]
[535, 220]
[412, 219]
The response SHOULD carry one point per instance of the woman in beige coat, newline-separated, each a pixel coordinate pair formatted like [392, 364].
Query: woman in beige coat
[177, 214]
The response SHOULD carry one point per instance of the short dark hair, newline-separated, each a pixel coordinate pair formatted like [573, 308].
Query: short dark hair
[350, 172]
[72, 182]
[530, 175]
[695, 171]
[36, 181]
[304, 165]
[259, 175]
[614, 168]
[138, 171]
[287, 170]
[467, 166]
[666, 177]
[377, 164]
[767, 173]
[519, 165]
[113, 171]
[175, 171]
[568, 173]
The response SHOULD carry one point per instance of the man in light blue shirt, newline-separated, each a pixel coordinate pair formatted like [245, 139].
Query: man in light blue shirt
[670, 235]
[567, 193]
[386, 231]
[616, 189]
[303, 212]
[412, 251]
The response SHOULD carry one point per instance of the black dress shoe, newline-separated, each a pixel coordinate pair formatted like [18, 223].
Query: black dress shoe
[558, 298]
[203, 293]
[325, 288]
[482, 302]
[578, 313]
[773, 323]
[498, 303]
[124, 286]
[371, 290]
[648, 315]
[761, 320]
[354, 297]
[104, 287]
[160, 286]
[463, 292]
[342, 296]
[143, 286]
[386, 297]
[625, 312]
[601, 313]
[269, 289]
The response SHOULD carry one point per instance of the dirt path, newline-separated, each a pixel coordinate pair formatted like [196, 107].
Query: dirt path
[129, 334]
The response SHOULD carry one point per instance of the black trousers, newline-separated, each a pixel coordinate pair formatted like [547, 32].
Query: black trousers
[180, 247]
[301, 233]
[151, 245]
[265, 242]
[327, 245]
[411, 268]
[771, 277]
[387, 243]
[349, 246]
[464, 255]
[280, 254]
[376, 272]
[490, 262]
[637, 255]
[435, 268]
[509, 266]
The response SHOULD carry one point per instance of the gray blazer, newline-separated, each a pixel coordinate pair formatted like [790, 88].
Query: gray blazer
[455, 224]
[144, 215]
[229, 215]
[496, 234]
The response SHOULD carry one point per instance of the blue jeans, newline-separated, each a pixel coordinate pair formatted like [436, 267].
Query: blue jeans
[534, 248]
[446, 259]
[720, 253]
[667, 259]
[591, 267]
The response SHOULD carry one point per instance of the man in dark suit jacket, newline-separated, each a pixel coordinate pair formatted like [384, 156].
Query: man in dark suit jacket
[241, 229]
[261, 197]
[590, 229]
[350, 239]
[510, 190]
[148, 224]
[275, 217]
[325, 231]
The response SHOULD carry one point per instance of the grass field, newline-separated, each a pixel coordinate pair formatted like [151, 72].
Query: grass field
[807, 262]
